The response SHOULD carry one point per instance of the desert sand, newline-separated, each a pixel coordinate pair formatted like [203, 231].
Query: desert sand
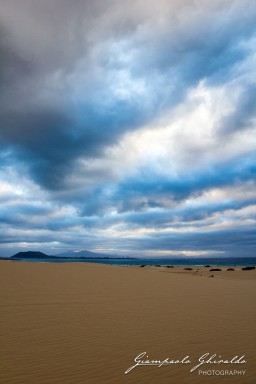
[85, 323]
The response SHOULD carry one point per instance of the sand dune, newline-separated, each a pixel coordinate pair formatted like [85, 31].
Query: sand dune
[85, 323]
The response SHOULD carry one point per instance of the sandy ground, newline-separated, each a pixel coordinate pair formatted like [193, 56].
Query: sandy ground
[85, 323]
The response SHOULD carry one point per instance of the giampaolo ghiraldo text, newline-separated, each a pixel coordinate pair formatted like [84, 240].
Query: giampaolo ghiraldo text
[204, 360]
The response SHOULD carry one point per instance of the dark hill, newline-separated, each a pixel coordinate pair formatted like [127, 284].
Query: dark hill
[31, 255]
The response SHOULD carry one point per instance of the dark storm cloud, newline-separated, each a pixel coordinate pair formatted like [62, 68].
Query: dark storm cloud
[12, 65]
[50, 118]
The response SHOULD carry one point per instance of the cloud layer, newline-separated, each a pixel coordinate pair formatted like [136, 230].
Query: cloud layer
[128, 127]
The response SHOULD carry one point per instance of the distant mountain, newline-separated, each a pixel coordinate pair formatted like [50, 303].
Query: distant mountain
[84, 253]
[65, 255]
[30, 255]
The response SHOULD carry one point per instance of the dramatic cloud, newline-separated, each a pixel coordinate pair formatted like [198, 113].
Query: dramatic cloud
[128, 127]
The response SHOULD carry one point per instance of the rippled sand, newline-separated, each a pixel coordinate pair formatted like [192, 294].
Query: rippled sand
[85, 323]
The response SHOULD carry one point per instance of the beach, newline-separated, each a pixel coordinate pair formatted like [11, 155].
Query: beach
[74, 323]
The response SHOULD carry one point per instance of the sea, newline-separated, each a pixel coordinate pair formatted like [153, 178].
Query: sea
[236, 261]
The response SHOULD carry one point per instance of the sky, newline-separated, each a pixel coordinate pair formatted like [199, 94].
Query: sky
[128, 127]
